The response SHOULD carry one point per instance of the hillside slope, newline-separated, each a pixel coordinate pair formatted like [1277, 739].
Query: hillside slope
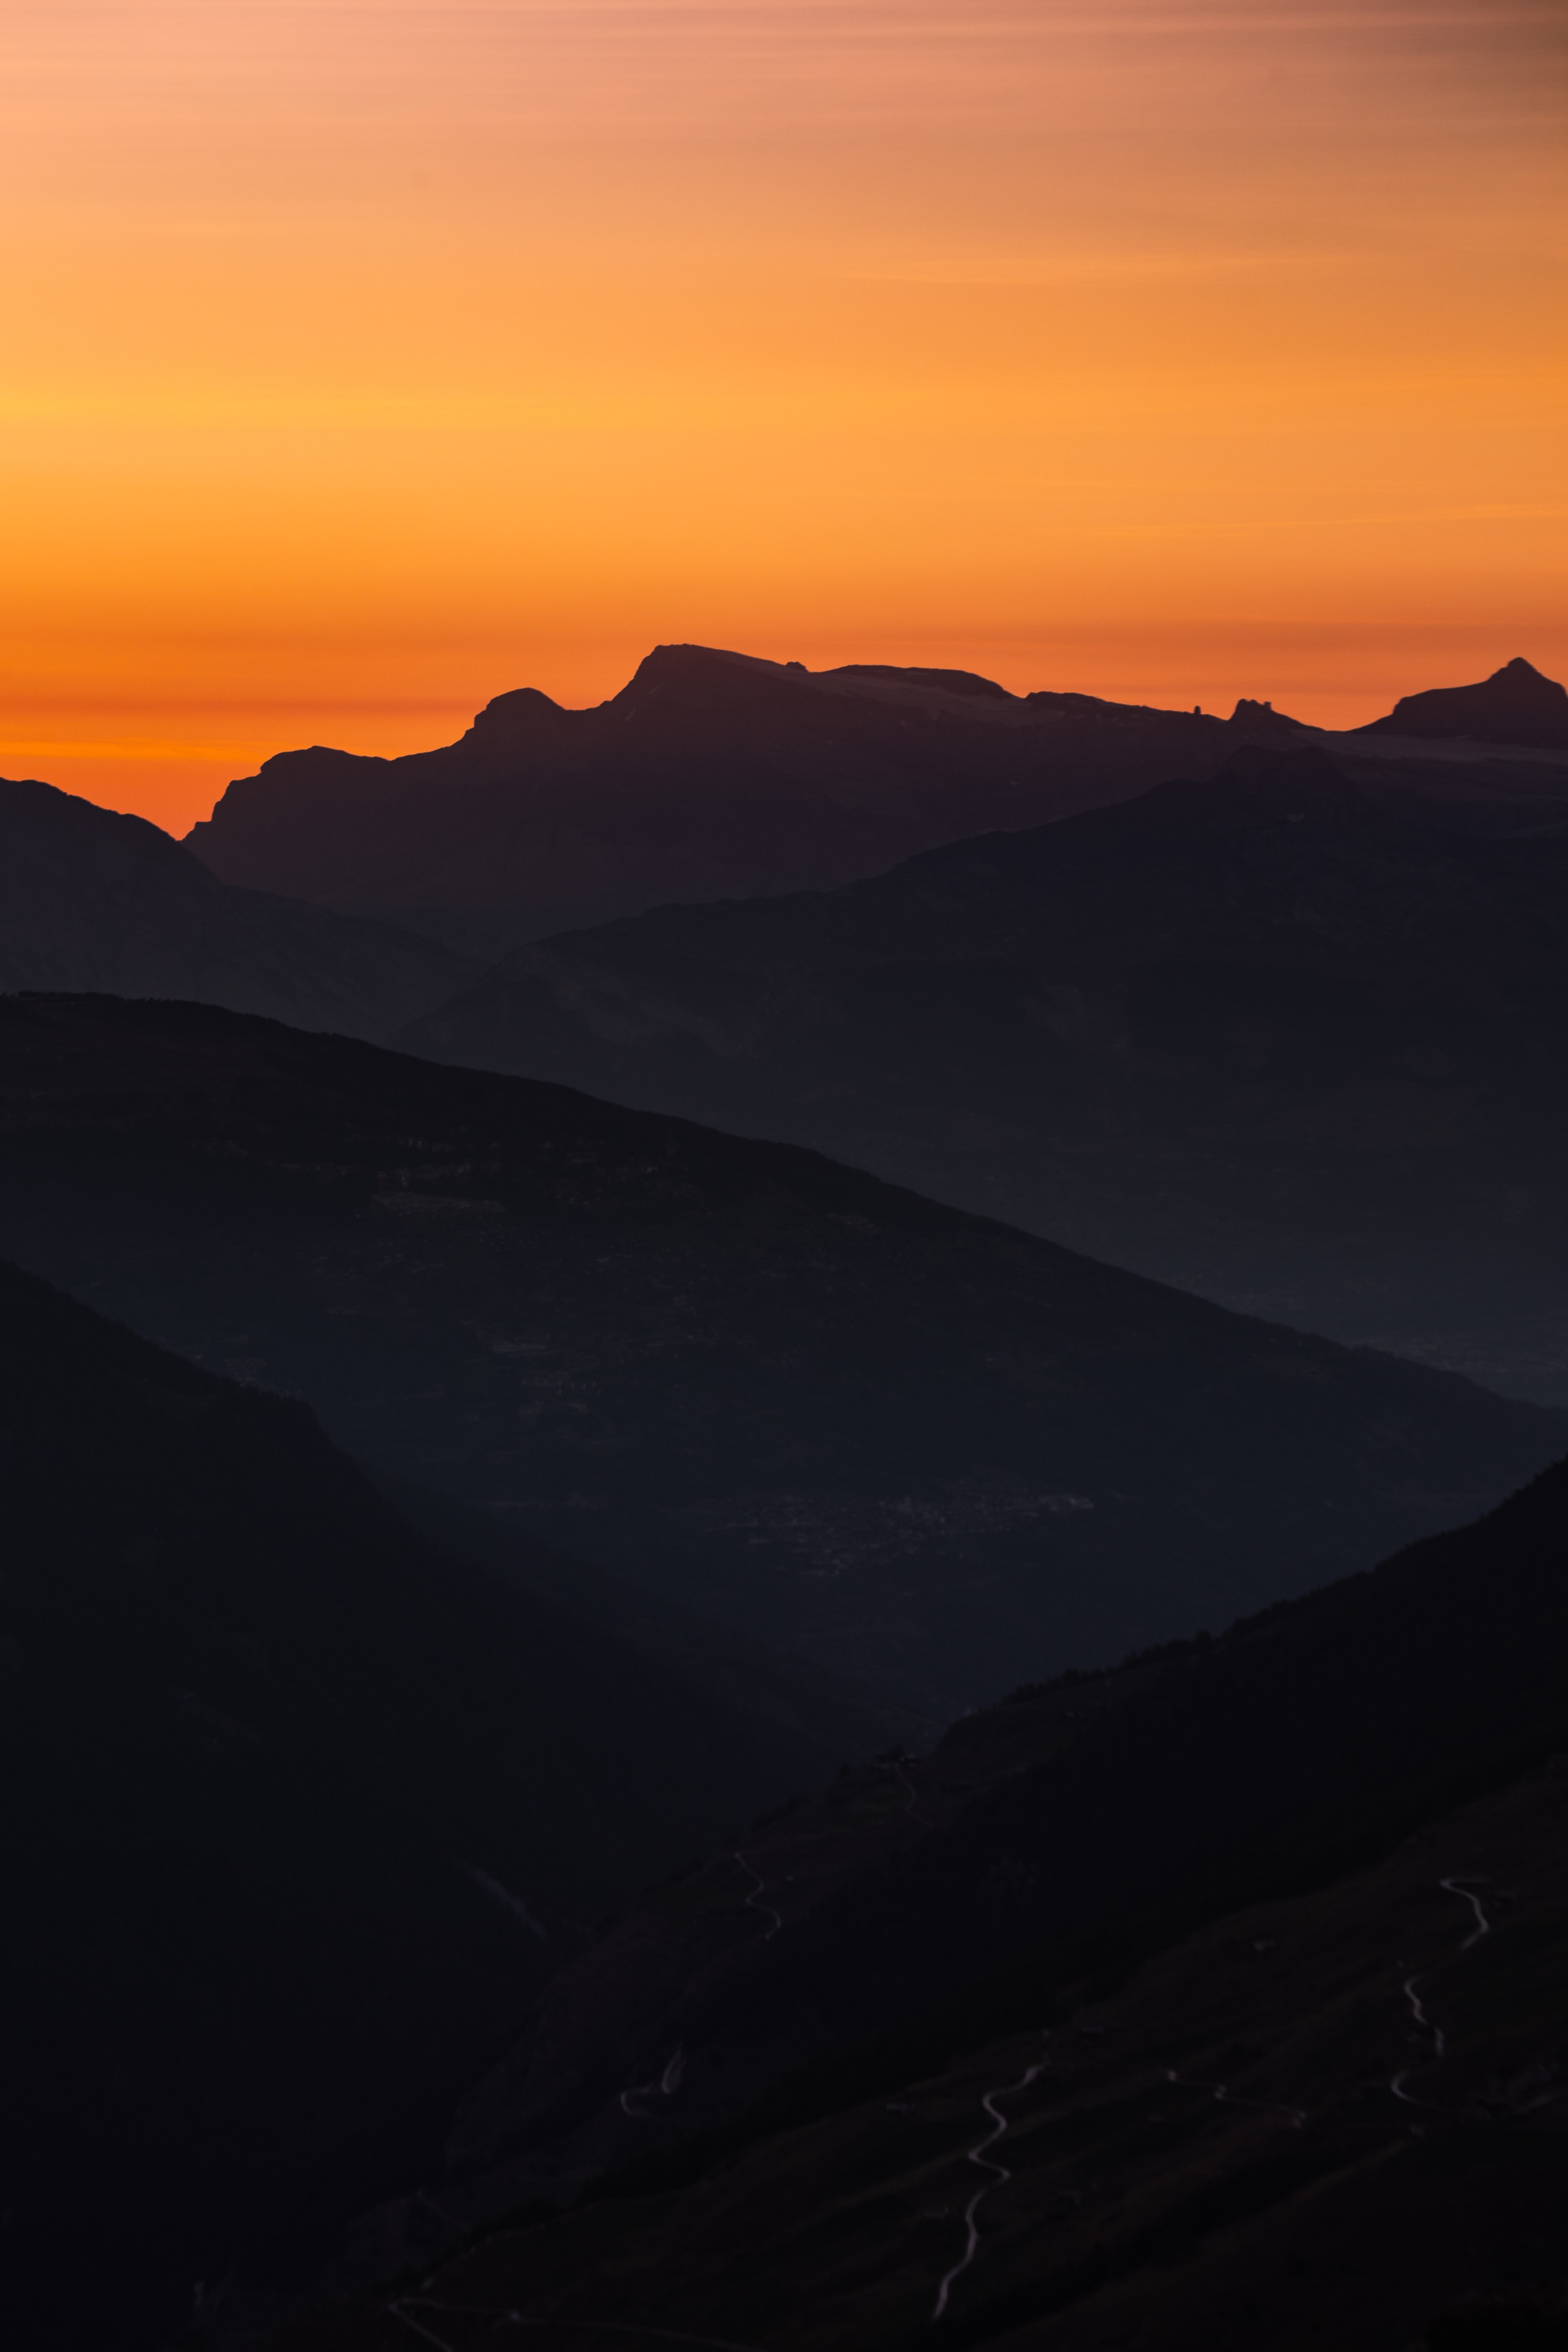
[92, 900]
[929, 1452]
[1276, 1037]
[1256, 1948]
[298, 1819]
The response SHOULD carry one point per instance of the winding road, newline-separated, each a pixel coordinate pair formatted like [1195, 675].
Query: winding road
[755, 1899]
[664, 2086]
[911, 1792]
[407, 2308]
[977, 2155]
[669, 2083]
[1461, 1886]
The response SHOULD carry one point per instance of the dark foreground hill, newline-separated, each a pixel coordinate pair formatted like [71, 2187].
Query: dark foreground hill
[92, 900]
[297, 1817]
[925, 1450]
[1254, 1949]
[709, 775]
[1281, 1038]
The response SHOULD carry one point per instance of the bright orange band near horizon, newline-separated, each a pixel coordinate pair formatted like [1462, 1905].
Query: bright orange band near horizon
[365, 359]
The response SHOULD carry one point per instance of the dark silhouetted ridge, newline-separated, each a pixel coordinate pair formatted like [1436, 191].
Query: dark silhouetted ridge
[1261, 719]
[712, 774]
[90, 900]
[1515, 705]
[954, 681]
[511, 719]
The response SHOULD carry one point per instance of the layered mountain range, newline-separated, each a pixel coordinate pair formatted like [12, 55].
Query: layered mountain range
[925, 1450]
[1280, 1036]
[1349, 1129]
[91, 900]
[715, 775]
[709, 775]
[487, 1496]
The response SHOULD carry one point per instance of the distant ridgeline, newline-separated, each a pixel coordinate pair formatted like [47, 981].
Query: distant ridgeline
[714, 775]
[710, 775]
[1291, 1038]
[1515, 705]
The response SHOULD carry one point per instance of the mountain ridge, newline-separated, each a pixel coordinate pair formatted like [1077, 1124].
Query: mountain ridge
[716, 774]
[90, 898]
[916, 1446]
[709, 774]
[1282, 1036]
[1515, 705]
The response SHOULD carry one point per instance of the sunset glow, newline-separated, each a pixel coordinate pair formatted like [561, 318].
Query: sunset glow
[367, 359]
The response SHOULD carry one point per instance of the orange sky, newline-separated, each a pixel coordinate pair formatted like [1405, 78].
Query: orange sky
[366, 357]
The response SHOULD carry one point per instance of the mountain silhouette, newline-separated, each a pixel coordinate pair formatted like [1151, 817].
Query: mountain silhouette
[300, 1815]
[715, 775]
[1515, 705]
[1255, 1944]
[926, 1451]
[709, 775]
[92, 900]
[1280, 1036]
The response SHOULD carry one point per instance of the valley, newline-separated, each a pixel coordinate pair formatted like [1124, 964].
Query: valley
[301, 1812]
[1259, 2016]
[924, 1450]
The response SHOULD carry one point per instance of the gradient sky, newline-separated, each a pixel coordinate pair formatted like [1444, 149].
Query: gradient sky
[365, 358]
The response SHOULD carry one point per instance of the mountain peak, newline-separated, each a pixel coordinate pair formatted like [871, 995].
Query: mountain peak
[1515, 705]
[1262, 718]
[508, 718]
[711, 669]
[966, 682]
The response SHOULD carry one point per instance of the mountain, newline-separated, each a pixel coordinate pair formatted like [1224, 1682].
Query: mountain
[1280, 1036]
[925, 1451]
[1515, 705]
[710, 775]
[92, 900]
[299, 1816]
[1245, 1958]
[714, 775]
